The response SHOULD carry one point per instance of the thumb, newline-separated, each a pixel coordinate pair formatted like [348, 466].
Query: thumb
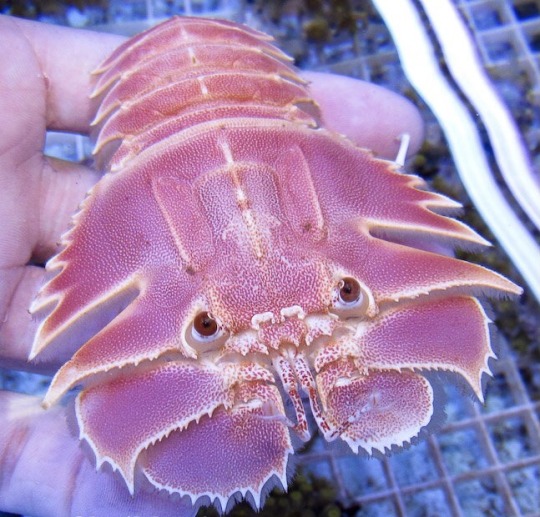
[44, 471]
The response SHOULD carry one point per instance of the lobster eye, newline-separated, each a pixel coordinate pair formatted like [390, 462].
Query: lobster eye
[204, 327]
[350, 299]
[350, 291]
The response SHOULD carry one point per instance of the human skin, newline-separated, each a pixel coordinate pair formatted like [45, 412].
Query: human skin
[44, 85]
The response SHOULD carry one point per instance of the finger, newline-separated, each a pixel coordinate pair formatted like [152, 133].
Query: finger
[35, 443]
[371, 116]
[18, 286]
[34, 214]
[58, 60]
[49, 80]
[34, 235]
[67, 56]
[63, 187]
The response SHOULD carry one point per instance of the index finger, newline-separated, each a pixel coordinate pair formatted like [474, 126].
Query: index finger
[65, 58]
[370, 115]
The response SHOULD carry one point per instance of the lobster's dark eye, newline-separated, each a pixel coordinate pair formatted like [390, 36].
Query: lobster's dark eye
[351, 299]
[349, 291]
[205, 326]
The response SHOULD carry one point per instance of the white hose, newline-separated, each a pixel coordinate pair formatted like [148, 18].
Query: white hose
[421, 67]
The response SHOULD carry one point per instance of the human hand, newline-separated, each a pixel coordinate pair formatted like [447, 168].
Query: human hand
[44, 85]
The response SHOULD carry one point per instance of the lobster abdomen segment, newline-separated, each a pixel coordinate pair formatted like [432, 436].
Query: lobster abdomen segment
[187, 68]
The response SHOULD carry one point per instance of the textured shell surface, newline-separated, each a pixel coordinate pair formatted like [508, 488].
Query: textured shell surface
[239, 267]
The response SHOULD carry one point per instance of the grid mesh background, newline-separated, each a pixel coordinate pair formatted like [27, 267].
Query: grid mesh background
[484, 460]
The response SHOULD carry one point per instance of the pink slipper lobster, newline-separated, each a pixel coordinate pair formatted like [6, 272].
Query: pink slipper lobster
[237, 255]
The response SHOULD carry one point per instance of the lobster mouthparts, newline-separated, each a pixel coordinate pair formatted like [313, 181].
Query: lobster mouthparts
[235, 255]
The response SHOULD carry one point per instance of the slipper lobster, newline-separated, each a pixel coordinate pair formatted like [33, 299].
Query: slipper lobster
[236, 257]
